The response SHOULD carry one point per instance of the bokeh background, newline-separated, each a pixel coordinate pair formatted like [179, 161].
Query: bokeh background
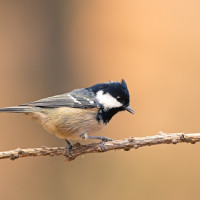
[51, 47]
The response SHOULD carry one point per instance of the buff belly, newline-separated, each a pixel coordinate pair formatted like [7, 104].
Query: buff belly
[68, 123]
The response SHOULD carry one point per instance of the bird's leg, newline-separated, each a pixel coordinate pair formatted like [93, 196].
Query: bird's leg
[102, 138]
[69, 146]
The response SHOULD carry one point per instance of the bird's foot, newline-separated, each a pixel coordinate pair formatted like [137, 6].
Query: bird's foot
[102, 138]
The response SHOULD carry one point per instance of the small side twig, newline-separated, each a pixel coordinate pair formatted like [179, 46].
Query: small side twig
[126, 144]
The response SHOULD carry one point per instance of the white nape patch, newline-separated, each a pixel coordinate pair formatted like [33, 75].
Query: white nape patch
[74, 99]
[107, 100]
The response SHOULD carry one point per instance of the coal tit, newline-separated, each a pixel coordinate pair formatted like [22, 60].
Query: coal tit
[79, 113]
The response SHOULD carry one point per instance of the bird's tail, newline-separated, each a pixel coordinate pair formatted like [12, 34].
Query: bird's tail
[17, 109]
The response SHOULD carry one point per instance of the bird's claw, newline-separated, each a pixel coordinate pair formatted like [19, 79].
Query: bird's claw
[104, 139]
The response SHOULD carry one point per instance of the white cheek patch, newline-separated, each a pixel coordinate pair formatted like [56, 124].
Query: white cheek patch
[107, 100]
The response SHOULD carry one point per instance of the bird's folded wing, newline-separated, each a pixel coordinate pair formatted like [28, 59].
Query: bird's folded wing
[76, 99]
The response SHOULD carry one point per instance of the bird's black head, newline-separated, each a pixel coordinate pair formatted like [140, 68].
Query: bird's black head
[112, 98]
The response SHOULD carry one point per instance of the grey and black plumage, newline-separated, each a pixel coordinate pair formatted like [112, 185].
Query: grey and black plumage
[79, 112]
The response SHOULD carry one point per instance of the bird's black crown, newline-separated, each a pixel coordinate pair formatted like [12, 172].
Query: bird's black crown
[116, 89]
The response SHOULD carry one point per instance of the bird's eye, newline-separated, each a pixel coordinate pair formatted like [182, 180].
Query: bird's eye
[118, 98]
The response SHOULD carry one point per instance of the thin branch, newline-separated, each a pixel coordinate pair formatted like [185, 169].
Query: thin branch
[126, 144]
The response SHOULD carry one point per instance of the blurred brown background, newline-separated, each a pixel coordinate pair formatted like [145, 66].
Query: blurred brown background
[51, 47]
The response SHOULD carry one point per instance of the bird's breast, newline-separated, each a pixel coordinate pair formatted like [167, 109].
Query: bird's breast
[69, 123]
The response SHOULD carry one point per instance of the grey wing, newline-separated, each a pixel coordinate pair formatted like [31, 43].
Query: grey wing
[80, 98]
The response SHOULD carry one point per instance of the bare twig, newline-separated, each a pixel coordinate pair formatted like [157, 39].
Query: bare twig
[126, 144]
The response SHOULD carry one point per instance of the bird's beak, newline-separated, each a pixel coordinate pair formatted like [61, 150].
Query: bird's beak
[129, 109]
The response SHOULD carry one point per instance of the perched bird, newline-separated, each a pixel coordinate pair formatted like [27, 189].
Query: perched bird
[79, 113]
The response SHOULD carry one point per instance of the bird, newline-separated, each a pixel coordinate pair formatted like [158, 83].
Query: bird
[80, 113]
